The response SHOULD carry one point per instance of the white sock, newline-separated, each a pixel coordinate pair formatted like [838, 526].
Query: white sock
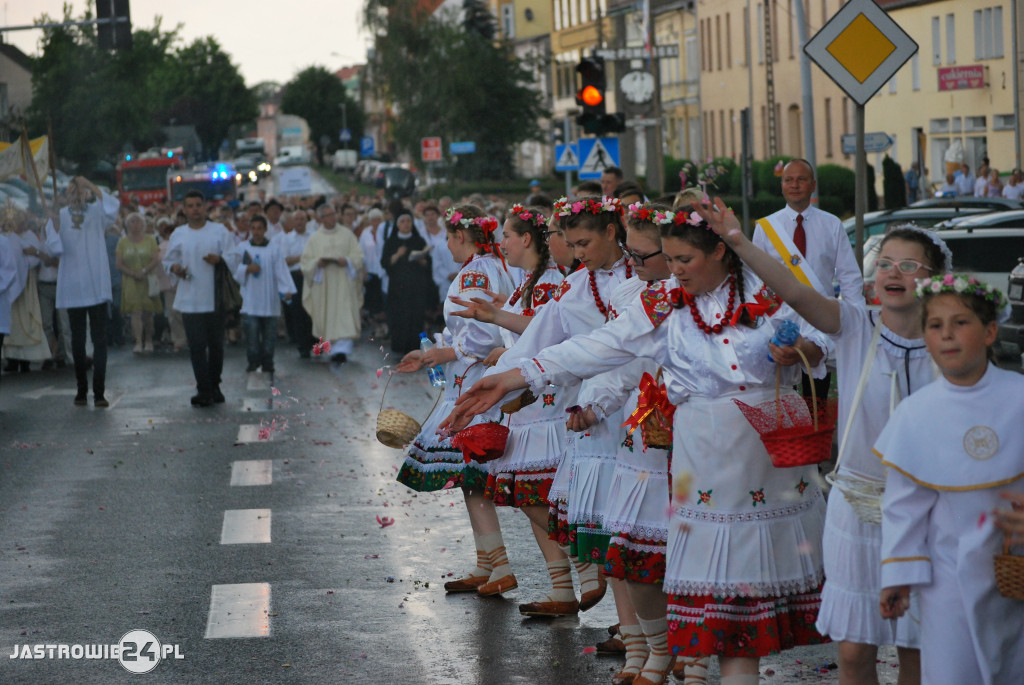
[483, 559]
[659, 660]
[561, 581]
[636, 649]
[590, 575]
[494, 545]
[695, 669]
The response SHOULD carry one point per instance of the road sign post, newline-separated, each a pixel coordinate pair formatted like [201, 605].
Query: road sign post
[430, 149]
[860, 48]
[596, 155]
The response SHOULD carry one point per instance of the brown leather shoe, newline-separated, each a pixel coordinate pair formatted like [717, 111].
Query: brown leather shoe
[613, 630]
[467, 584]
[549, 608]
[503, 584]
[611, 646]
[651, 677]
[590, 598]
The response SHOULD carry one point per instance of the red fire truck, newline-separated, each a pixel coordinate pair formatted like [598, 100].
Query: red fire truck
[143, 177]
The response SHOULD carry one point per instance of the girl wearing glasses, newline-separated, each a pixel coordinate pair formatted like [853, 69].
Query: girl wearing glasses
[886, 351]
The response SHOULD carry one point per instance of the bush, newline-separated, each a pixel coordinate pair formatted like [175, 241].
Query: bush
[672, 168]
[837, 181]
[720, 170]
[894, 188]
[765, 179]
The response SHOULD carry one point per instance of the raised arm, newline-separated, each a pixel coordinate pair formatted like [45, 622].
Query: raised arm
[819, 311]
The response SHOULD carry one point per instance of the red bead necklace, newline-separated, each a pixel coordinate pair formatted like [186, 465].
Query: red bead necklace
[601, 306]
[726, 318]
[519, 291]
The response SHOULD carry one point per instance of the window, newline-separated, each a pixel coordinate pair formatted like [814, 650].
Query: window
[732, 132]
[950, 39]
[936, 42]
[508, 21]
[938, 126]
[721, 129]
[1003, 122]
[703, 43]
[728, 42]
[792, 28]
[573, 12]
[558, 15]
[760, 33]
[988, 33]
[718, 40]
[915, 71]
[972, 124]
[746, 37]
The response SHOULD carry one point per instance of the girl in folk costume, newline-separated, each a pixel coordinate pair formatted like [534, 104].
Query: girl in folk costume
[743, 565]
[886, 352]
[953, 448]
[536, 443]
[592, 227]
[431, 462]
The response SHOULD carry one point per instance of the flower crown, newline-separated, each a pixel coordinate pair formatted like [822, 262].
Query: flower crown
[523, 214]
[563, 207]
[655, 216]
[965, 285]
[487, 224]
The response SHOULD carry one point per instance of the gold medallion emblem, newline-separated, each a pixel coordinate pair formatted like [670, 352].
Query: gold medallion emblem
[981, 443]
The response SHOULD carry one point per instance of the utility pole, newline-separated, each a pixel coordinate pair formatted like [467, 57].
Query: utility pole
[769, 66]
[811, 149]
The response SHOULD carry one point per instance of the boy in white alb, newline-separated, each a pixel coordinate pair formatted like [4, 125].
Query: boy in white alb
[952, 448]
[264, 280]
[192, 253]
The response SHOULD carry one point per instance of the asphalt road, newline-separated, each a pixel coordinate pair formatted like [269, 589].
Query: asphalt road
[115, 520]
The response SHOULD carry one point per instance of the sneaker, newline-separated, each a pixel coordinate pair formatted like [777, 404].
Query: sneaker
[252, 368]
[201, 401]
[218, 396]
[339, 358]
[100, 401]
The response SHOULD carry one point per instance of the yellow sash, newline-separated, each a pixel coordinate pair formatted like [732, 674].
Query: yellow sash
[795, 263]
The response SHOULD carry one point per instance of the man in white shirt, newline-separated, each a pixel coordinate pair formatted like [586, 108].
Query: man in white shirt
[273, 211]
[1014, 188]
[296, 318]
[822, 246]
[965, 181]
[78, 238]
[192, 255]
[981, 183]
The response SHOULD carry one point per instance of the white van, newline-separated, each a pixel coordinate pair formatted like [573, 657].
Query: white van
[344, 160]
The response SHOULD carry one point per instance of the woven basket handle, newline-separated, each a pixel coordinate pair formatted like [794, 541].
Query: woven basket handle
[384, 394]
[467, 371]
[1006, 544]
[814, 392]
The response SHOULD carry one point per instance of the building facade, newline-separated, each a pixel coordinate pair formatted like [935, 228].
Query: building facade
[956, 97]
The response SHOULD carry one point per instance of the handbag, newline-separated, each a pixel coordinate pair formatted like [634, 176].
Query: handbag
[154, 284]
[228, 296]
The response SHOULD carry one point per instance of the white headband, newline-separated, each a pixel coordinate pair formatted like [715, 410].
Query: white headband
[934, 237]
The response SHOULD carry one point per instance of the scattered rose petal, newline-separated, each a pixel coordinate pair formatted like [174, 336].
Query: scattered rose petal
[274, 391]
[982, 519]
[385, 521]
[589, 650]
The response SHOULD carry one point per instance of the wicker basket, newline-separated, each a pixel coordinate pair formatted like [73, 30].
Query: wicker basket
[1009, 572]
[524, 400]
[397, 429]
[482, 443]
[796, 445]
[864, 495]
[656, 430]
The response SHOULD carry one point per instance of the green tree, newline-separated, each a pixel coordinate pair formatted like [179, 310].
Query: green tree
[444, 80]
[317, 95]
[200, 86]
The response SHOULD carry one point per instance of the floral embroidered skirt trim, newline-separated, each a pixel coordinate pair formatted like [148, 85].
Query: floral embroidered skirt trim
[749, 627]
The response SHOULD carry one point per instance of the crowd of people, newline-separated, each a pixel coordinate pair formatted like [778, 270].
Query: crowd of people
[708, 548]
[613, 334]
[962, 182]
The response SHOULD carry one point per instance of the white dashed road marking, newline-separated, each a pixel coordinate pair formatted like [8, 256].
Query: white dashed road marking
[254, 472]
[245, 526]
[250, 432]
[241, 610]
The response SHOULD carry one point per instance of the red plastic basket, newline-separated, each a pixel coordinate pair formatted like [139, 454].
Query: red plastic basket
[793, 433]
[483, 442]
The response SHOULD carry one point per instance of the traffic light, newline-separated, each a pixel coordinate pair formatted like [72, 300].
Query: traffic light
[115, 34]
[590, 95]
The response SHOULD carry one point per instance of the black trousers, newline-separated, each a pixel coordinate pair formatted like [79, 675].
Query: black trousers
[205, 334]
[97, 316]
[821, 385]
[297, 320]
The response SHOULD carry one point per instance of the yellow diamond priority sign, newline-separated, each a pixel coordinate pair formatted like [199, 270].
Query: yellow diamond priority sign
[860, 48]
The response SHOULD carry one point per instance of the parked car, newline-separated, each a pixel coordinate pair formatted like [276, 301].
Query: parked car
[344, 160]
[396, 180]
[1013, 218]
[1011, 332]
[877, 223]
[964, 201]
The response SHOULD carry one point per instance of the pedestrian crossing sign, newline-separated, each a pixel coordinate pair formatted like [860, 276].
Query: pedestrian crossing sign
[596, 155]
[566, 158]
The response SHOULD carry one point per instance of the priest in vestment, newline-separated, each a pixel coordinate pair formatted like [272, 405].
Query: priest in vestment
[332, 265]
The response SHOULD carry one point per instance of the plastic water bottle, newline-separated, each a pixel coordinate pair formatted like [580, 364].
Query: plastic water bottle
[785, 335]
[436, 373]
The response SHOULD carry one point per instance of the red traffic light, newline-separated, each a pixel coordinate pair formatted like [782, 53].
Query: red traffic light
[591, 96]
